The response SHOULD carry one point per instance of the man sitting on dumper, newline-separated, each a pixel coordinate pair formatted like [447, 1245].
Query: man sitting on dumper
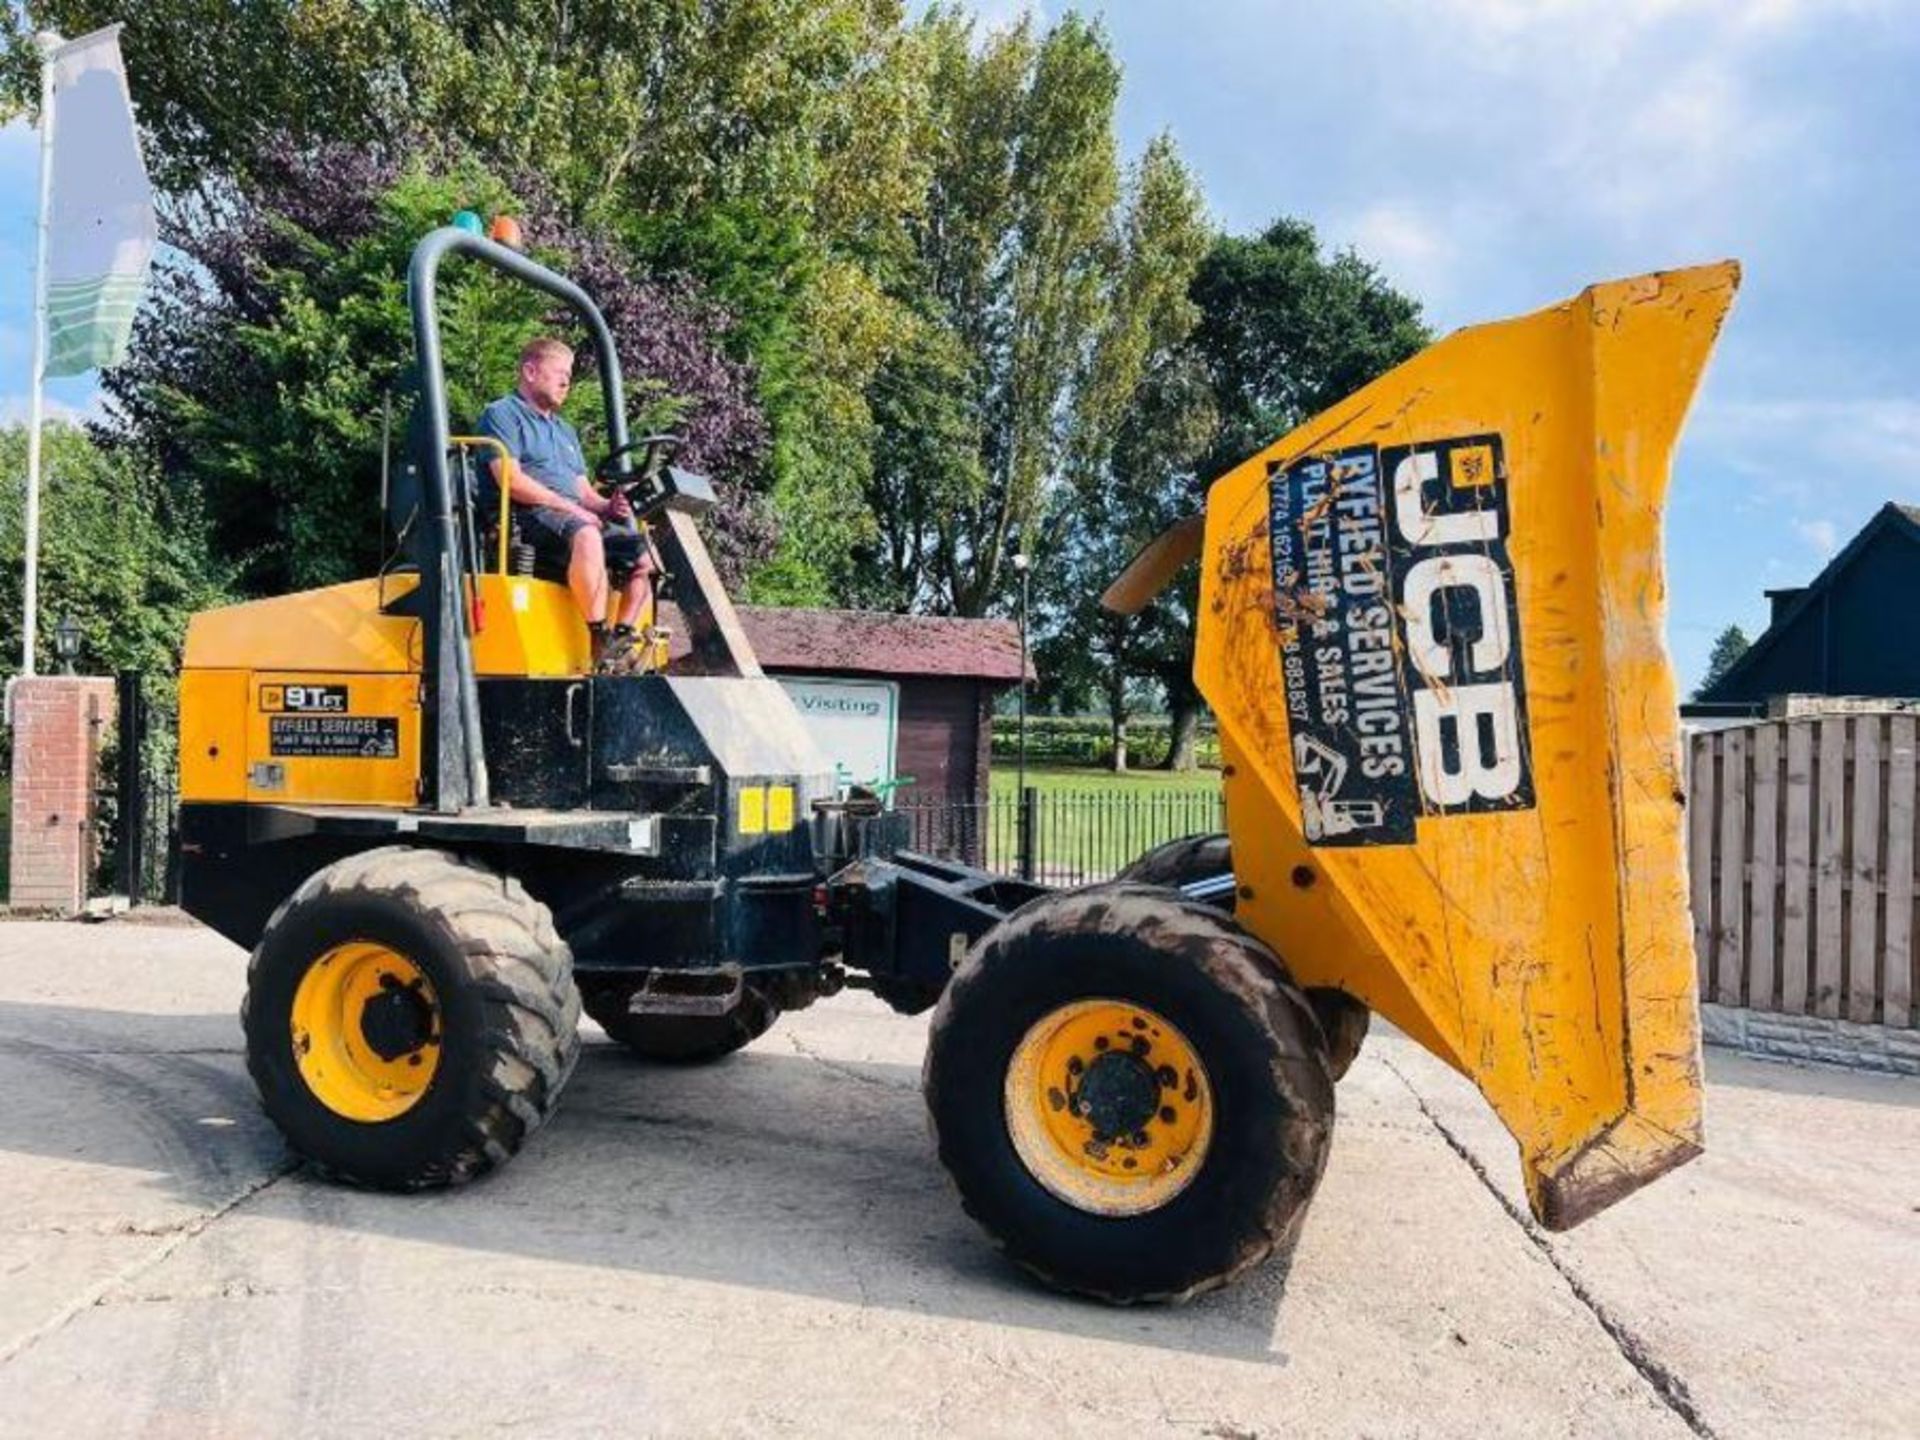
[568, 523]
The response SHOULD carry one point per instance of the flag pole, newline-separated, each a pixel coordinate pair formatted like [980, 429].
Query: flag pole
[29, 620]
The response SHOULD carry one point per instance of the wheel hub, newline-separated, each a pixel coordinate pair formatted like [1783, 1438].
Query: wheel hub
[1108, 1106]
[1118, 1095]
[397, 1021]
[365, 1030]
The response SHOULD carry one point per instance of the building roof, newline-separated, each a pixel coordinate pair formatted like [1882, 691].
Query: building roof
[1903, 519]
[869, 642]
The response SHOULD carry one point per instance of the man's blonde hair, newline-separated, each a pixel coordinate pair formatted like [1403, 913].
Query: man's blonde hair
[534, 351]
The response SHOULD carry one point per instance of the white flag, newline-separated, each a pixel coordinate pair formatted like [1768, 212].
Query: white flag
[100, 214]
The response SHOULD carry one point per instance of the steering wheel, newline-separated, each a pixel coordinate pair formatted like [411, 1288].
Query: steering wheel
[658, 449]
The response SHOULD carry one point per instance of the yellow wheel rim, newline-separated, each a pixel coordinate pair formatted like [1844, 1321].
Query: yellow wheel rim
[366, 1031]
[1109, 1107]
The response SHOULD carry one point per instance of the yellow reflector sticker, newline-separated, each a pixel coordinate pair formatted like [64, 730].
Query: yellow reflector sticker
[753, 810]
[779, 809]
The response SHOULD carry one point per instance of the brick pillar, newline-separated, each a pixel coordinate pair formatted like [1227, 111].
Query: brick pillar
[58, 723]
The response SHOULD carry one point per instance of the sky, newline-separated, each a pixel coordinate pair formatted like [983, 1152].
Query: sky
[1494, 156]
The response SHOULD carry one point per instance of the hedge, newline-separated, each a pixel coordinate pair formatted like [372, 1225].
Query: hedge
[1087, 740]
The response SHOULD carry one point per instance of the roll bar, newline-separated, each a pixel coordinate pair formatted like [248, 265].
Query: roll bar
[454, 768]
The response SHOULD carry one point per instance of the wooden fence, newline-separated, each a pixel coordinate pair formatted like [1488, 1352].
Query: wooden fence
[1800, 840]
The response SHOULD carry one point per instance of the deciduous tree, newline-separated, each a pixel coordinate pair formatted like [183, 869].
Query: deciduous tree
[1013, 257]
[122, 554]
[1280, 331]
[765, 147]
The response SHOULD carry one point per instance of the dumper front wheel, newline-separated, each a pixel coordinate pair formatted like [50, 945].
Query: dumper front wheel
[1130, 1094]
[411, 1018]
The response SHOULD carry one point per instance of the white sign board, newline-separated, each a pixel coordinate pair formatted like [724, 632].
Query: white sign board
[856, 724]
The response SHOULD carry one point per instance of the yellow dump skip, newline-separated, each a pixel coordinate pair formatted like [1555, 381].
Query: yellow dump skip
[1431, 630]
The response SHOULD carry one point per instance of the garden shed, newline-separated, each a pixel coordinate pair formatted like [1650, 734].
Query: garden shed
[931, 680]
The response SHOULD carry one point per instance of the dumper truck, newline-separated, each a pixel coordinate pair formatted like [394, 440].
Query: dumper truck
[1430, 626]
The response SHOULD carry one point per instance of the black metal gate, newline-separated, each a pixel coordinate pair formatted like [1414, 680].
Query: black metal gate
[140, 790]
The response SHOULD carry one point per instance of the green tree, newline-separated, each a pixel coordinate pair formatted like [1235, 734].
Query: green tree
[1287, 330]
[1152, 485]
[1013, 258]
[216, 83]
[1143, 409]
[1728, 647]
[912, 224]
[662, 106]
[926, 466]
[263, 375]
[123, 555]
[1282, 331]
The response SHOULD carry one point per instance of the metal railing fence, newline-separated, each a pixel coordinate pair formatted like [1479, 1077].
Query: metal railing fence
[1059, 837]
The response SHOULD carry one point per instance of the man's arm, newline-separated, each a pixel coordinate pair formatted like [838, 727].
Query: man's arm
[526, 490]
[613, 509]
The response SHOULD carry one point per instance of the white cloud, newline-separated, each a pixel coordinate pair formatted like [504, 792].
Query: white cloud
[1610, 22]
[1605, 21]
[1619, 124]
[1414, 247]
[1867, 444]
[1822, 535]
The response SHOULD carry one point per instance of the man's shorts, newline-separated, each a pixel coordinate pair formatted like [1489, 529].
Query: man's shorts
[551, 532]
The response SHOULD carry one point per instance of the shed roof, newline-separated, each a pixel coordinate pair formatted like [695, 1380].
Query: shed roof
[870, 642]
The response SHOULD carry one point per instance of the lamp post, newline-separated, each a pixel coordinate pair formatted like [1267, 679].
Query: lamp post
[66, 641]
[1021, 567]
[1028, 819]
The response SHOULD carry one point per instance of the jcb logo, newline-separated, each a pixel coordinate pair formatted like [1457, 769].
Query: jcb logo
[1400, 651]
[1459, 620]
[304, 699]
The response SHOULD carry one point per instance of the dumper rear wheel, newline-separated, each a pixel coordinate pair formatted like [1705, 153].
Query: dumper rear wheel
[682, 1039]
[1130, 1094]
[1343, 1019]
[1180, 862]
[411, 1018]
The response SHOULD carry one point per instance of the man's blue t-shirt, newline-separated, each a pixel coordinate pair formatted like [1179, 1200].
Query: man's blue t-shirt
[545, 446]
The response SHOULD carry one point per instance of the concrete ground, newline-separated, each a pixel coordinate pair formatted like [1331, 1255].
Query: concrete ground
[768, 1247]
